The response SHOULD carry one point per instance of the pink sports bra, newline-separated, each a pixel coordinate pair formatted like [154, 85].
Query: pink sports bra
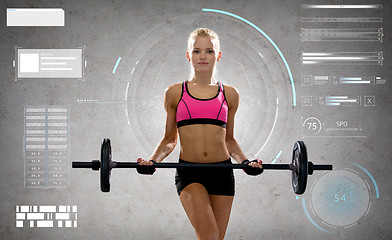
[192, 110]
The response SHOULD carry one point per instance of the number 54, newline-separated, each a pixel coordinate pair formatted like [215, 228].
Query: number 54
[343, 198]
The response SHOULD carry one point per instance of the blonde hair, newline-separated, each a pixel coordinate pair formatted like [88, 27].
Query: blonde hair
[204, 32]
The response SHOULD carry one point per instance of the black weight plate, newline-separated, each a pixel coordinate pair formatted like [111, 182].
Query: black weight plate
[106, 158]
[300, 167]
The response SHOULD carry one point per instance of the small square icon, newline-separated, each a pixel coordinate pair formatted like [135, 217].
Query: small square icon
[306, 80]
[369, 101]
[320, 101]
[306, 101]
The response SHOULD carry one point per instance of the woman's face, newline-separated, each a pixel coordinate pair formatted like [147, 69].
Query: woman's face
[203, 56]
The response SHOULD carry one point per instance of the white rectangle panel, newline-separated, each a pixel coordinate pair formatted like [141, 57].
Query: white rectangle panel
[57, 117]
[49, 63]
[35, 117]
[62, 216]
[35, 139]
[35, 216]
[321, 77]
[17, 17]
[29, 62]
[35, 124]
[57, 110]
[35, 132]
[24, 208]
[44, 223]
[47, 208]
[57, 124]
[57, 146]
[35, 146]
[35, 110]
[343, 6]
[57, 132]
[53, 139]
[62, 208]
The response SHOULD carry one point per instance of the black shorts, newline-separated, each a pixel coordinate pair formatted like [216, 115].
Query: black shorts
[217, 181]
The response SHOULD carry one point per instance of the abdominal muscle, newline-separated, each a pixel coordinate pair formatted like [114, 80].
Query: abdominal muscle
[203, 143]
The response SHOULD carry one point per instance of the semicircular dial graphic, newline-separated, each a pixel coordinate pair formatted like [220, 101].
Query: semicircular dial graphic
[249, 62]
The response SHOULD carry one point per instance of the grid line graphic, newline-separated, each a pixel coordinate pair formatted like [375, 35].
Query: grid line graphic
[46, 147]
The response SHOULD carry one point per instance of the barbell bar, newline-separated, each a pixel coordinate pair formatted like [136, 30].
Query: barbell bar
[299, 166]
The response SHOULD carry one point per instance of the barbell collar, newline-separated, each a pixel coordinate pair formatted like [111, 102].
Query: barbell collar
[95, 165]
[322, 167]
[82, 164]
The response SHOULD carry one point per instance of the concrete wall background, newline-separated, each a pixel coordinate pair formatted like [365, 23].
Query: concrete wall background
[140, 207]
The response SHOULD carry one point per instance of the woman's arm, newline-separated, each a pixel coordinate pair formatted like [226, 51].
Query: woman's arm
[169, 141]
[233, 147]
[233, 99]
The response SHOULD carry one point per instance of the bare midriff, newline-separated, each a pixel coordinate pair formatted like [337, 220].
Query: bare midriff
[203, 143]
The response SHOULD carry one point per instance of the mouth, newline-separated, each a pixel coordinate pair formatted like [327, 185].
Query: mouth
[203, 63]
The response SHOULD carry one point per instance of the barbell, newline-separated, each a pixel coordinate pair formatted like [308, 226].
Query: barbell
[299, 166]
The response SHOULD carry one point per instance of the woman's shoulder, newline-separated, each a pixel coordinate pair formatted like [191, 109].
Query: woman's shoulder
[230, 90]
[174, 89]
[175, 86]
[173, 92]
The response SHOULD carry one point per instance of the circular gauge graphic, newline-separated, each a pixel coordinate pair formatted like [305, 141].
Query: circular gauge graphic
[311, 126]
[340, 198]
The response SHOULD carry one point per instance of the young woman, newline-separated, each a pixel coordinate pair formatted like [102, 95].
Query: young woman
[201, 111]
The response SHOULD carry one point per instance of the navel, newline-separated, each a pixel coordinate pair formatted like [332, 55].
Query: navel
[205, 154]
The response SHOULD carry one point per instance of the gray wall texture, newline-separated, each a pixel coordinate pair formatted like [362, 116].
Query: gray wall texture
[124, 103]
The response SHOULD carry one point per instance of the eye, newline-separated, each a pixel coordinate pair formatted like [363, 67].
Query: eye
[195, 51]
[211, 51]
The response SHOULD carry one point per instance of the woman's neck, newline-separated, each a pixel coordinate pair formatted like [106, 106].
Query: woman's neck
[203, 78]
